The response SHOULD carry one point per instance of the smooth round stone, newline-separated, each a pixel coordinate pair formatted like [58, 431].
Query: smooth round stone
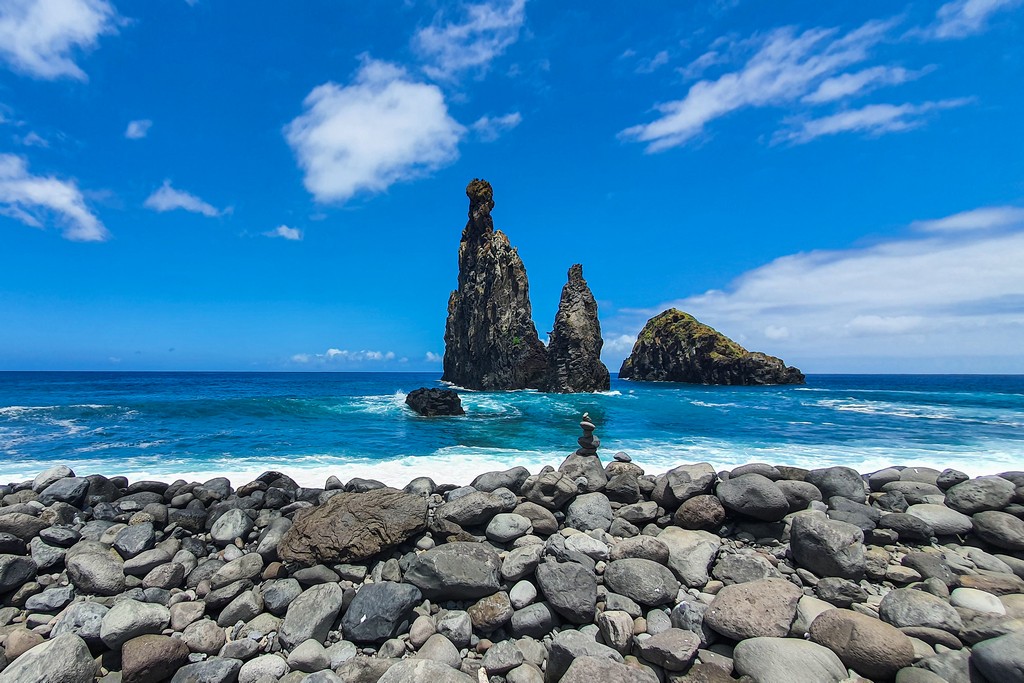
[977, 600]
[507, 526]
[944, 521]
[522, 594]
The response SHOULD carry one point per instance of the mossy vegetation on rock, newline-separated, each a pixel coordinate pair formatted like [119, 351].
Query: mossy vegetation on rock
[676, 347]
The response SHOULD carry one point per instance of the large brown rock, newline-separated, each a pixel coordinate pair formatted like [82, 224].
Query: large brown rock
[351, 527]
[574, 349]
[676, 347]
[490, 339]
[867, 645]
[152, 658]
[763, 608]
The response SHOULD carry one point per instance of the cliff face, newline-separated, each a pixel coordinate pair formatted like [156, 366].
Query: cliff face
[574, 350]
[490, 339]
[675, 347]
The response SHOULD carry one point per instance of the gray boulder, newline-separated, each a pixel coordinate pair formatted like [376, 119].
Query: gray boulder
[785, 660]
[753, 495]
[84, 619]
[419, 670]
[909, 607]
[589, 511]
[550, 489]
[474, 509]
[129, 619]
[752, 610]
[943, 521]
[1002, 658]
[980, 495]
[827, 547]
[690, 554]
[588, 669]
[232, 524]
[682, 483]
[48, 476]
[96, 573]
[838, 481]
[570, 589]
[644, 581]
[568, 646]
[456, 571]
[63, 659]
[212, 670]
[311, 615]
[70, 490]
[377, 611]
[1000, 529]
[15, 571]
[672, 649]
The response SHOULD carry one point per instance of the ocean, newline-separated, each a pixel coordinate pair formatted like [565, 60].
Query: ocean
[311, 425]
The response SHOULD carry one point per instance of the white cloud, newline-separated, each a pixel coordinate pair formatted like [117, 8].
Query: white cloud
[859, 82]
[41, 38]
[485, 32]
[432, 357]
[648, 66]
[952, 295]
[697, 67]
[166, 198]
[489, 128]
[382, 128]
[619, 345]
[987, 218]
[873, 119]
[962, 18]
[343, 356]
[33, 139]
[31, 198]
[283, 231]
[786, 66]
[137, 130]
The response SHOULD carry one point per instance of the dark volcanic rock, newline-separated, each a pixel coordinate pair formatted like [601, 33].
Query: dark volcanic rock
[456, 571]
[490, 339]
[433, 402]
[675, 347]
[353, 526]
[574, 349]
[377, 610]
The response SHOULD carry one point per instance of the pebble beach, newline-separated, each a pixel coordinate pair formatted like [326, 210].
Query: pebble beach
[586, 570]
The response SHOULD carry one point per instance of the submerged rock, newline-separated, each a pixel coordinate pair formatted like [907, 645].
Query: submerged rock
[574, 349]
[675, 347]
[490, 339]
[433, 402]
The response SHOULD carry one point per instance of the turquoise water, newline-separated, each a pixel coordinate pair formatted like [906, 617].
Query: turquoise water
[311, 425]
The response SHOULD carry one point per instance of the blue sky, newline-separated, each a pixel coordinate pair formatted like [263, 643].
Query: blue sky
[198, 186]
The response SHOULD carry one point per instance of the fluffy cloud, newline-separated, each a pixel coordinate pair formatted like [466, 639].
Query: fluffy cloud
[962, 18]
[490, 128]
[333, 355]
[786, 66]
[873, 119]
[382, 128]
[950, 293]
[137, 130]
[166, 198]
[40, 38]
[32, 198]
[486, 31]
[284, 232]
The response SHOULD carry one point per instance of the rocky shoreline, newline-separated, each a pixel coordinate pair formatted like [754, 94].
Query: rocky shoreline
[587, 572]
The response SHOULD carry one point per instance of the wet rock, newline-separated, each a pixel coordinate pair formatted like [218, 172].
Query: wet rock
[377, 610]
[434, 402]
[456, 571]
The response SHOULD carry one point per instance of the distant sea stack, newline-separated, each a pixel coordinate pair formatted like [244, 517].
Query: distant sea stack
[574, 349]
[675, 347]
[490, 340]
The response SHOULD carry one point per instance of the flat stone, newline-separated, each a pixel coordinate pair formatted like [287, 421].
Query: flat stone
[980, 494]
[672, 649]
[456, 571]
[944, 521]
[690, 554]
[909, 607]
[751, 610]
[1000, 529]
[786, 660]
[644, 581]
[64, 659]
[212, 670]
[419, 670]
[1002, 658]
[129, 619]
[867, 645]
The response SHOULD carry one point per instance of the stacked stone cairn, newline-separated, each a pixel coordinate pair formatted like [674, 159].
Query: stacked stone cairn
[581, 574]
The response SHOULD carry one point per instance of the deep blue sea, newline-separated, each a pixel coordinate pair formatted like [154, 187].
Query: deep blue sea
[312, 425]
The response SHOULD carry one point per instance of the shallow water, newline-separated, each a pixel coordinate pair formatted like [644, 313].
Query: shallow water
[311, 425]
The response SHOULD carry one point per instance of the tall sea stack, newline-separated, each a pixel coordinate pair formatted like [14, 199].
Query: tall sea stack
[490, 340]
[574, 349]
